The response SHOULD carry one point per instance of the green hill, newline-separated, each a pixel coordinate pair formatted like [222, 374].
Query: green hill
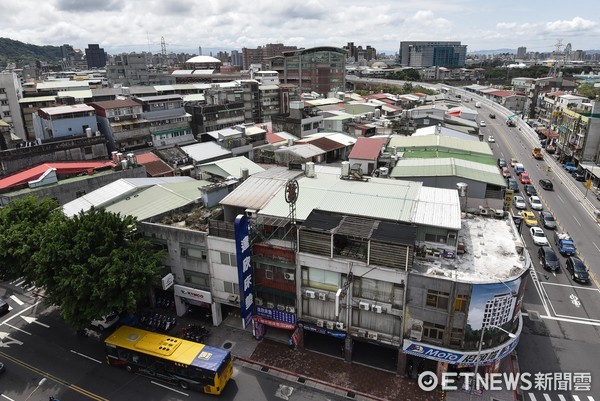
[13, 51]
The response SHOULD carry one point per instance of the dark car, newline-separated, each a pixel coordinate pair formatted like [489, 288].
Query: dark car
[546, 184]
[548, 259]
[530, 190]
[548, 220]
[501, 163]
[511, 183]
[3, 307]
[578, 175]
[578, 270]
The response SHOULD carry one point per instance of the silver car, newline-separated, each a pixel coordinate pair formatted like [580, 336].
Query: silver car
[519, 202]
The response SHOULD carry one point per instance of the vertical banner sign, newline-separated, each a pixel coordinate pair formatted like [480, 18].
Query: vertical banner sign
[242, 247]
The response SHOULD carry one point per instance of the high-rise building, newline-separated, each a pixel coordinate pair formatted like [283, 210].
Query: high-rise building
[260, 54]
[95, 56]
[521, 52]
[429, 54]
[236, 59]
[11, 92]
[318, 69]
[358, 53]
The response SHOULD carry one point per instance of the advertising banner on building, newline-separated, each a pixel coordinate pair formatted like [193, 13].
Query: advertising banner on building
[242, 246]
[322, 330]
[274, 323]
[276, 314]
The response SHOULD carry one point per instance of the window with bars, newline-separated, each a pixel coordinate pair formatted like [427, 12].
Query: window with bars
[437, 299]
[433, 332]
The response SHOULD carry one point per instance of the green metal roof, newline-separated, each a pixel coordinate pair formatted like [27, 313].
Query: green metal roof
[435, 146]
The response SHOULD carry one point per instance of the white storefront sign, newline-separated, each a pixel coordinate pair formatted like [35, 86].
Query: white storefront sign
[192, 293]
[167, 281]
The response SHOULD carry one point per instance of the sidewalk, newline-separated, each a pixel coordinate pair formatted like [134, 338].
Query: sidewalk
[313, 369]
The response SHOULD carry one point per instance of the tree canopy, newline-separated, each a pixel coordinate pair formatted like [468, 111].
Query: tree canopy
[89, 265]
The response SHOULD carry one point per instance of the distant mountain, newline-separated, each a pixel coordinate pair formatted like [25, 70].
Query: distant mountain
[13, 51]
[495, 51]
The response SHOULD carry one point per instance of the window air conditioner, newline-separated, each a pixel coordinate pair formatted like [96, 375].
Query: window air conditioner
[281, 307]
[330, 325]
[117, 118]
[364, 306]
[290, 309]
[339, 326]
[362, 333]
[234, 298]
[134, 116]
[310, 294]
[289, 276]
[320, 323]
[322, 296]
[377, 308]
[258, 301]
[270, 305]
[371, 335]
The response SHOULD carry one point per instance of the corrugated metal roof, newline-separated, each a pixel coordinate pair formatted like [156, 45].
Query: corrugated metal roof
[303, 151]
[74, 108]
[367, 148]
[77, 94]
[385, 199]
[62, 84]
[155, 167]
[114, 191]
[116, 104]
[37, 99]
[341, 138]
[231, 167]
[205, 151]
[446, 167]
[159, 199]
[323, 143]
[258, 189]
[440, 144]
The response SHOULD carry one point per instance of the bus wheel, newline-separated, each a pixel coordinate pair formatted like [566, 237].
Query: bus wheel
[184, 385]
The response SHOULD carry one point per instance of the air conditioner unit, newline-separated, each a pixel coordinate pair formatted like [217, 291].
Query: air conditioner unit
[310, 294]
[234, 298]
[150, 143]
[281, 307]
[290, 309]
[330, 325]
[117, 118]
[339, 326]
[376, 308]
[134, 116]
[270, 305]
[258, 301]
[364, 306]
[371, 335]
[320, 323]
[362, 333]
[322, 296]
[289, 276]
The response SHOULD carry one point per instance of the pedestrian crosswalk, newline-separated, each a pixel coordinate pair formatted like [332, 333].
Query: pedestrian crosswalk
[22, 284]
[558, 397]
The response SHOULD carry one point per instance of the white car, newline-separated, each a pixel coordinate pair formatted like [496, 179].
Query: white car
[538, 236]
[482, 123]
[491, 139]
[105, 322]
[536, 203]
[519, 202]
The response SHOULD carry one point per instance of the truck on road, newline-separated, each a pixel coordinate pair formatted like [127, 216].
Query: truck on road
[565, 244]
[537, 153]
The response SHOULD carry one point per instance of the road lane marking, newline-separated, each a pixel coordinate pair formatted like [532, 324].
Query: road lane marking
[547, 397]
[16, 299]
[85, 356]
[596, 246]
[532, 397]
[577, 221]
[30, 320]
[16, 328]
[579, 287]
[169, 388]
[7, 397]
[561, 397]
[559, 198]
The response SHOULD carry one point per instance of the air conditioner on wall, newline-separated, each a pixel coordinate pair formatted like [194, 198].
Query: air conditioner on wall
[322, 296]
[290, 309]
[320, 323]
[258, 301]
[270, 305]
[371, 335]
[310, 294]
[281, 307]
[377, 308]
[289, 276]
[339, 326]
[364, 306]
[330, 325]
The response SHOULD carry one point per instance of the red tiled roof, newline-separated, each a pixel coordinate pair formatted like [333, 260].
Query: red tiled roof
[367, 148]
[115, 104]
[502, 93]
[155, 167]
[274, 138]
[61, 168]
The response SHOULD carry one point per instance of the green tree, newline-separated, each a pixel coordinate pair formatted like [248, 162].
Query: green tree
[588, 90]
[94, 263]
[22, 223]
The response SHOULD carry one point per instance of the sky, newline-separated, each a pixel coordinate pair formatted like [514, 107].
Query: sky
[138, 25]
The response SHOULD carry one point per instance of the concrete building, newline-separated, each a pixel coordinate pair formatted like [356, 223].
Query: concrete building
[132, 69]
[432, 53]
[63, 122]
[95, 56]
[11, 93]
[262, 53]
[317, 69]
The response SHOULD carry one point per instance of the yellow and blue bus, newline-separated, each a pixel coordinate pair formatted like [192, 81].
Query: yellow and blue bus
[188, 364]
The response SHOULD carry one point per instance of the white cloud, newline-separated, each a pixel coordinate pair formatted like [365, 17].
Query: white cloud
[576, 24]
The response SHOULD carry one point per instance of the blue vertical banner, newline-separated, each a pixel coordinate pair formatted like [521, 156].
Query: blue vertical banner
[242, 247]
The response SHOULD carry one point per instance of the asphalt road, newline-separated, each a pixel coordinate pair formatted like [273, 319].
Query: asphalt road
[36, 344]
[561, 331]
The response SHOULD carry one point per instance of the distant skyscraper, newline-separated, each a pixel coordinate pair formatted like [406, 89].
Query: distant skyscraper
[95, 56]
[236, 59]
[428, 54]
[199, 50]
[521, 52]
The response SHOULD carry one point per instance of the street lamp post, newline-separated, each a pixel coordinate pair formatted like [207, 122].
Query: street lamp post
[38, 386]
[483, 328]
